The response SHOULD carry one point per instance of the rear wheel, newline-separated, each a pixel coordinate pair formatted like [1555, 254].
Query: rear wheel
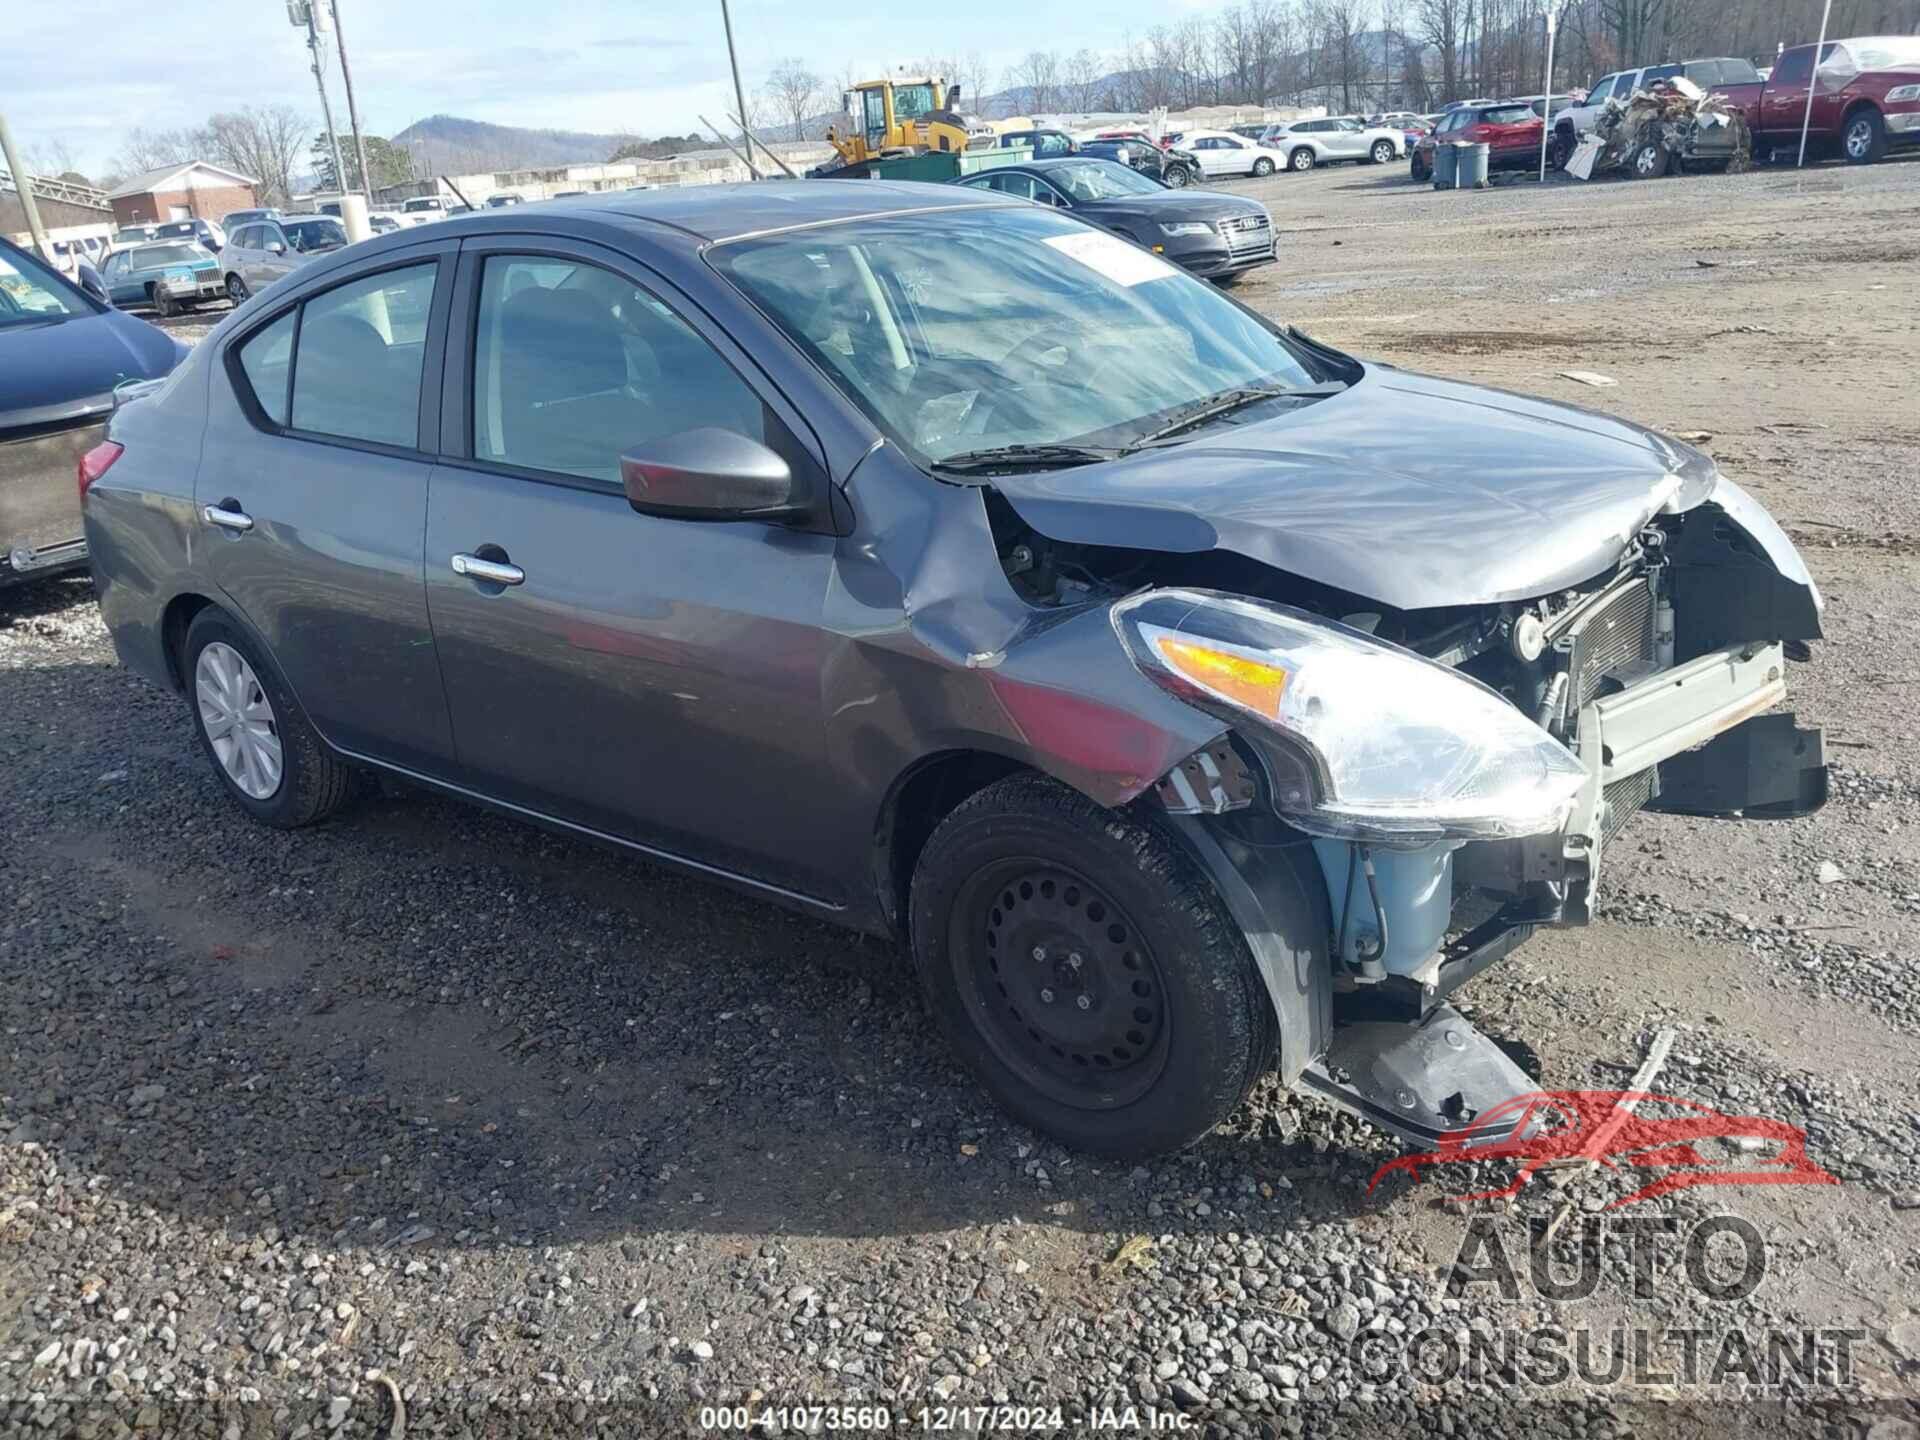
[1420, 168]
[1560, 149]
[1865, 138]
[1382, 151]
[1301, 159]
[270, 761]
[1263, 167]
[1085, 970]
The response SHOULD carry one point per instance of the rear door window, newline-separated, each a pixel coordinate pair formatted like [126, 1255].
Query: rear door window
[361, 350]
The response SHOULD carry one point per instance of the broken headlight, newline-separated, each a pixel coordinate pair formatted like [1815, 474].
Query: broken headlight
[1365, 740]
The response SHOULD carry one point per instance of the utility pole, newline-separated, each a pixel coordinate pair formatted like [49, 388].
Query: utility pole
[25, 188]
[309, 13]
[1546, 105]
[353, 110]
[739, 93]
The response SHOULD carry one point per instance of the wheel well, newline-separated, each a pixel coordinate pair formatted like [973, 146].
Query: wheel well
[919, 801]
[1856, 107]
[173, 632]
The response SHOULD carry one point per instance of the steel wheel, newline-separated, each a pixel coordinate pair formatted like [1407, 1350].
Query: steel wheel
[1066, 992]
[163, 305]
[238, 720]
[1650, 161]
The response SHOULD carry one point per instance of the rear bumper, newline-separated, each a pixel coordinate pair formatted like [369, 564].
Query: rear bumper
[40, 527]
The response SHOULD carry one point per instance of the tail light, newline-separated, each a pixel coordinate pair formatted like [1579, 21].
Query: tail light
[96, 462]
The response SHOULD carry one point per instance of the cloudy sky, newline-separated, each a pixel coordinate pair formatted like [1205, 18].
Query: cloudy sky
[82, 71]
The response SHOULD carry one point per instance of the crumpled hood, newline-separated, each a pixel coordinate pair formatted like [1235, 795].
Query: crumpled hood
[1411, 491]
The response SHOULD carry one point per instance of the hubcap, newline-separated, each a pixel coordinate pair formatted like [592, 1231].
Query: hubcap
[1067, 990]
[238, 720]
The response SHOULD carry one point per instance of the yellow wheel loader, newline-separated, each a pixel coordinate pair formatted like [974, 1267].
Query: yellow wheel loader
[907, 115]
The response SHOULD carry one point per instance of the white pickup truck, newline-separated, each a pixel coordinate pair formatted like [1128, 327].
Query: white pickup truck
[1576, 120]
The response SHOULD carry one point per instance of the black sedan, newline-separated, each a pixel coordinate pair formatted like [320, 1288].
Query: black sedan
[1205, 231]
[1172, 168]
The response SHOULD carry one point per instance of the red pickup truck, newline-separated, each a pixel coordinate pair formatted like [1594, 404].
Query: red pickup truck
[1866, 97]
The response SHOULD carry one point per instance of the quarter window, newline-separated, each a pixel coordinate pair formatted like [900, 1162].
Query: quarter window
[265, 359]
[357, 367]
[574, 365]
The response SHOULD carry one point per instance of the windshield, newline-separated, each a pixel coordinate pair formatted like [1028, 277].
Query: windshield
[184, 227]
[973, 329]
[1101, 180]
[29, 293]
[148, 256]
[1886, 52]
[314, 234]
[427, 203]
[910, 102]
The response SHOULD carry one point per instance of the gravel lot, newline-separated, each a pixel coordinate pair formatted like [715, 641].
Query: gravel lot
[427, 1104]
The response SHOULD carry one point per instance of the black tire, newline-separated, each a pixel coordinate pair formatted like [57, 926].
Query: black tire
[1560, 149]
[1301, 160]
[1420, 168]
[1650, 160]
[1262, 168]
[1175, 177]
[237, 290]
[163, 303]
[1172, 993]
[1382, 152]
[1863, 139]
[314, 782]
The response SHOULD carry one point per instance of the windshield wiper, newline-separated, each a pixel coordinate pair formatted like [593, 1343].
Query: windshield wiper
[1024, 457]
[1226, 402]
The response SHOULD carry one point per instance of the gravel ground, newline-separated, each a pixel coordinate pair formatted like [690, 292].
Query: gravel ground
[426, 1105]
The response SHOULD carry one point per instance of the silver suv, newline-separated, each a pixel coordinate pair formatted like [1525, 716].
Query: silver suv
[260, 253]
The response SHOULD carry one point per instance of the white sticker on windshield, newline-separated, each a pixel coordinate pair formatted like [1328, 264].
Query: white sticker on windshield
[1120, 262]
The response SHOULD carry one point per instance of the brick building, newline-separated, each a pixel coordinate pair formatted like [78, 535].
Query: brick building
[193, 191]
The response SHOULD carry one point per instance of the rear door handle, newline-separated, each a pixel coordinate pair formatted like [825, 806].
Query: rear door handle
[492, 571]
[228, 517]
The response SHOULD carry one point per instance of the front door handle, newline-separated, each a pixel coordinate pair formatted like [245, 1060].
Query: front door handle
[228, 516]
[493, 571]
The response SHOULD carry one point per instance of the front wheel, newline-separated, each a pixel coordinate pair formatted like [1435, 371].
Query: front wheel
[1086, 971]
[1650, 160]
[1561, 149]
[1865, 138]
[236, 290]
[1421, 169]
[1382, 152]
[1176, 177]
[1262, 167]
[1301, 159]
[164, 305]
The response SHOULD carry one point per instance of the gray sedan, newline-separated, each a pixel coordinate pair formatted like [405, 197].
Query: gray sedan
[942, 566]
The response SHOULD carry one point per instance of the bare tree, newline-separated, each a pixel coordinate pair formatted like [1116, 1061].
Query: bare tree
[1084, 72]
[264, 142]
[144, 149]
[794, 92]
[1344, 60]
[1039, 75]
[1443, 25]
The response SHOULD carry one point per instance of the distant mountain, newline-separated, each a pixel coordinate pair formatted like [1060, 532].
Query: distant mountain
[449, 145]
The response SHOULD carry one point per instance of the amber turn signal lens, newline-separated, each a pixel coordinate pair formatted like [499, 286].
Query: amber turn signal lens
[1255, 684]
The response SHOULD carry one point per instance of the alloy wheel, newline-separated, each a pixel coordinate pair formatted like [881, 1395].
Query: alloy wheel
[236, 289]
[1859, 138]
[238, 720]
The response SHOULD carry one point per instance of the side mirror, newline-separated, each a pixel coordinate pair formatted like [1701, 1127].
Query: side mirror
[91, 282]
[709, 474]
[274, 247]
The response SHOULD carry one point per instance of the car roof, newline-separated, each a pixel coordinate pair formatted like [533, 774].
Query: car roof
[726, 212]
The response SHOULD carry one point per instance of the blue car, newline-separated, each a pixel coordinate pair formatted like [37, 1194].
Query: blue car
[170, 276]
[63, 354]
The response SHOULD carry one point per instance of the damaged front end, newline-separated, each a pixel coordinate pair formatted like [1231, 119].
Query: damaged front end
[1457, 777]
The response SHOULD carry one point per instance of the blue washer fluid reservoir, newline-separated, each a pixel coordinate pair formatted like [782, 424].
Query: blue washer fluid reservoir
[1416, 892]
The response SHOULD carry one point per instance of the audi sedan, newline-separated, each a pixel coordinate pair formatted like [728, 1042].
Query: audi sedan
[1210, 233]
[934, 563]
